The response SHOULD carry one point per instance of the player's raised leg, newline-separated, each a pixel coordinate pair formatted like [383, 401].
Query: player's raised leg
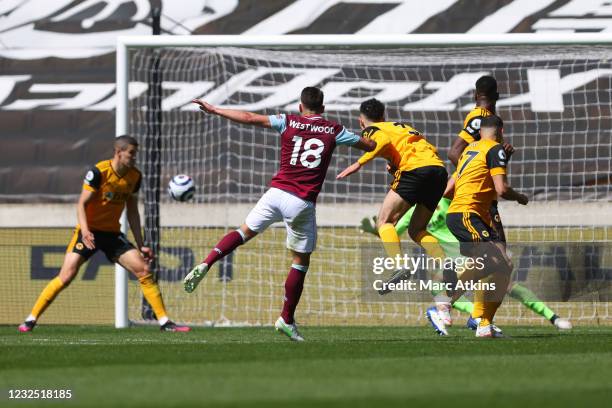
[134, 262]
[225, 246]
[70, 268]
[265, 213]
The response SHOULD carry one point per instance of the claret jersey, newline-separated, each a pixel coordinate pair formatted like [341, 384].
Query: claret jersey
[110, 195]
[307, 145]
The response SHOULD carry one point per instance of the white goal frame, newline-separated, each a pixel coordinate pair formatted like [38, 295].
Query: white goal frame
[124, 43]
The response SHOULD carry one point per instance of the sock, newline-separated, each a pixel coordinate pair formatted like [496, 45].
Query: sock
[46, 297]
[228, 243]
[151, 292]
[293, 290]
[489, 310]
[484, 322]
[449, 276]
[390, 239]
[469, 275]
[484, 302]
[442, 300]
[464, 305]
[478, 309]
[494, 298]
[430, 244]
[531, 301]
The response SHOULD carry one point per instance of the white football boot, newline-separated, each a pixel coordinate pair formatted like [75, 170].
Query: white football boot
[444, 310]
[194, 277]
[289, 330]
[436, 321]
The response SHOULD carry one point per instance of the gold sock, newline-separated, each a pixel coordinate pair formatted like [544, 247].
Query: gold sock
[46, 297]
[488, 313]
[479, 304]
[430, 244]
[494, 298]
[151, 292]
[390, 239]
[469, 275]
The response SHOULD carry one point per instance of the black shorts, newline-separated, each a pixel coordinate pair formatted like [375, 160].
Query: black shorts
[424, 185]
[113, 244]
[497, 224]
[470, 229]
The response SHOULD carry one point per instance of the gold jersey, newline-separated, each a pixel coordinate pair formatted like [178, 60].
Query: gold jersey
[111, 192]
[474, 188]
[404, 147]
[471, 125]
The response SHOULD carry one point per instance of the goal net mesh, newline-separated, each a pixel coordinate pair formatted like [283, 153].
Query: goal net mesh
[555, 103]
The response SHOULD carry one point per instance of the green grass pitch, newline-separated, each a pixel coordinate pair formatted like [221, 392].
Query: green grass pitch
[336, 367]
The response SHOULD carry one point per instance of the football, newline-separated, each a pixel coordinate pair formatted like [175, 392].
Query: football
[181, 187]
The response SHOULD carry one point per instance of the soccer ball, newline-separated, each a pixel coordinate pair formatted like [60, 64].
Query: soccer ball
[181, 188]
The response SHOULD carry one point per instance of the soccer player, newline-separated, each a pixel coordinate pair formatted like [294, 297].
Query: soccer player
[108, 188]
[419, 177]
[307, 143]
[479, 179]
[486, 97]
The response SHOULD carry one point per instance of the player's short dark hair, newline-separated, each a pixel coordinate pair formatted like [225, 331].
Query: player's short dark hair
[373, 109]
[312, 99]
[122, 142]
[487, 85]
[492, 121]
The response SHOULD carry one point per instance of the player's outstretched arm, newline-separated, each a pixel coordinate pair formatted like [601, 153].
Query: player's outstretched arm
[247, 118]
[370, 147]
[88, 237]
[353, 168]
[133, 216]
[506, 192]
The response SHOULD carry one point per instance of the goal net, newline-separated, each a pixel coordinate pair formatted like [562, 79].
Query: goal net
[556, 105]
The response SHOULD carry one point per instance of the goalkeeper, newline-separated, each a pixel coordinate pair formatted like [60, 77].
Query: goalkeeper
[437, 227]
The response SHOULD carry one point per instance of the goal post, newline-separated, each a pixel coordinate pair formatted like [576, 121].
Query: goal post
[553, 101]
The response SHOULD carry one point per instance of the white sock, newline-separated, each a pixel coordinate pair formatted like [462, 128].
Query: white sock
[163, 320]
[30, 318]
[442, 299]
